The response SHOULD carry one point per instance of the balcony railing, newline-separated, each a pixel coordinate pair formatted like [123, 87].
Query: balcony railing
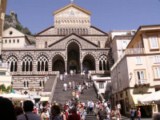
[141, 83]
[132, 51]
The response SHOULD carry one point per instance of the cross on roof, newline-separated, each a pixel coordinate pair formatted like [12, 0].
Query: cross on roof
[72, 1]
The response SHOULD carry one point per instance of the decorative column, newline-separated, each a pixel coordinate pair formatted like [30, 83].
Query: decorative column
[49, 66]
[34, 66]
[97, 65]
[19, 66]
[65, 66]
[81, 65]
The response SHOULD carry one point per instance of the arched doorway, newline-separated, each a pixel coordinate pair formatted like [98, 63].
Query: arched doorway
[88, 63]
[73, 57]
[58, 64]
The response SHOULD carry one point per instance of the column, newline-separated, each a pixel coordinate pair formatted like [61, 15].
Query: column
[34, 66]
[65, 66]
[81, 65]
[50, 66]
[19, 66]
[97, 66]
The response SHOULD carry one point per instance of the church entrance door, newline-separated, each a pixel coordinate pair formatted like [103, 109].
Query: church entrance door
[73, 54]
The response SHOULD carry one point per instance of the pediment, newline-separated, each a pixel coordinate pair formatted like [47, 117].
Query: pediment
[62, 43]
[48, 31]
[10, 32]
[71, 10]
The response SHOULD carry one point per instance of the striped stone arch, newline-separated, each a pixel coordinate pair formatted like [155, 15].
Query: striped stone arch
[102, 53]
[42, 62]
[58, 62]
[89, 53]
[103, 62]
[73, 40]
[89, 62]
[12, 62]
[27, 54]
[13, 54]
[27, 62]
[43, 54]
[60, 54]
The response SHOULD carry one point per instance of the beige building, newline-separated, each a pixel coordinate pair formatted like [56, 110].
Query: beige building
[119, 41]
[71, 43]
[137, 73]
[5, 77]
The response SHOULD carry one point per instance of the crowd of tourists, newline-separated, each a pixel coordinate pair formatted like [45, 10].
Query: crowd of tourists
[71, 110]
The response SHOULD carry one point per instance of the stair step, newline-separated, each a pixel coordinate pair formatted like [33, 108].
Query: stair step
[63, 96]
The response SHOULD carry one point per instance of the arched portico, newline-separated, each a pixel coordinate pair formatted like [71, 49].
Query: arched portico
[88, 63]
[73, 54]
[58, 64]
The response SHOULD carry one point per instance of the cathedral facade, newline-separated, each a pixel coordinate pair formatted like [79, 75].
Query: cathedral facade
[72, 43]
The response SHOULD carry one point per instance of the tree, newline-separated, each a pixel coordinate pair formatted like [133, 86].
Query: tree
[4, 89]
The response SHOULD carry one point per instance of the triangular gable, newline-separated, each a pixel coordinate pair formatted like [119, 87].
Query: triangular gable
[75, 35]
[105, 33]
[45, 30]
[13, 32]
[10, 32]
[72, 5]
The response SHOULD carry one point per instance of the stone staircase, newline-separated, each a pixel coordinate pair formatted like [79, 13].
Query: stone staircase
[62, 96]
[49, 84]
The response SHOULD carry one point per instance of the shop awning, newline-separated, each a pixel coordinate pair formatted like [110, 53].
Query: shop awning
[44, 99]
[150, 98]
[137, 98]
[15, 96]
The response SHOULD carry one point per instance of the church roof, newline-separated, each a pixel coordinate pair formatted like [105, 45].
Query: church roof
[75, 35]
[72, 5]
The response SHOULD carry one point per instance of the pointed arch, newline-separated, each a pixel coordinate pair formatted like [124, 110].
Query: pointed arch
[42, 63]
[88, 63]
[103, 63]
[12, 62]
[27, 62]
[73, 55]
[58, 64]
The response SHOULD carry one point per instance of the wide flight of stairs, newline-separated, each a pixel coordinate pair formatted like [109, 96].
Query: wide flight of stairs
[62, 96]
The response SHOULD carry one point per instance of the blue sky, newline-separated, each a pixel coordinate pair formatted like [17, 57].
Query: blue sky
[107, 15]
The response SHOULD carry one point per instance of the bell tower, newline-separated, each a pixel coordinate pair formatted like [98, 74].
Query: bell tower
[72, 19]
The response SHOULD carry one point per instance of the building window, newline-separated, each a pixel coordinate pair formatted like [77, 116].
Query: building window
[103, 63]
[153, 41]
[156, 72]
[124, 44]
[14, 41]
[138, 60]
[42, 64]
[101, 85]
[9, 41]
[140, 76]
[5, 41]
[17, 40]
[157, 59]
[10, 32]
[27, 64]
[12, 62]
[46, 44]
[2, 73]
